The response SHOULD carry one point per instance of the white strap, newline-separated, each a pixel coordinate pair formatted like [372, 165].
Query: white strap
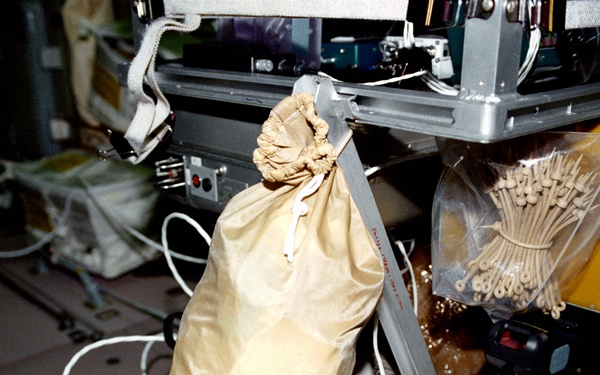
[351, 9]
[149, 116]
[580, 14]
[300, 208]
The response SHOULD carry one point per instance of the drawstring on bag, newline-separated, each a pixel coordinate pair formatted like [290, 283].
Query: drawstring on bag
[300, 208]
[296, 160]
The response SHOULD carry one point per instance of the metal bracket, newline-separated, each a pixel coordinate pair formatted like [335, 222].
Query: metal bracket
[480, 8]
[395, 310]
[514, 9]
[147, 10]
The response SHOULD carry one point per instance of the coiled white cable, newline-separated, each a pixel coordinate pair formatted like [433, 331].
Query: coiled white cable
[176, 275]
[150, 340]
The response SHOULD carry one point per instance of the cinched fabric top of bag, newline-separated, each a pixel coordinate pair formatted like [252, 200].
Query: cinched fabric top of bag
[289, 151]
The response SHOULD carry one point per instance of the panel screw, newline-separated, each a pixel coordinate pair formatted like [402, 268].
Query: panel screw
[221, 170]
[487, 5]
[511, 6]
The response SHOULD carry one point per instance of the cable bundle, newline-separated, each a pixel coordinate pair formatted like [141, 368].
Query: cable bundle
[536, 200]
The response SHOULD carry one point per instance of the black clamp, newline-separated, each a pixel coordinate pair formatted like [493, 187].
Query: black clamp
[148, 10]
[169, 324]
[121, 147]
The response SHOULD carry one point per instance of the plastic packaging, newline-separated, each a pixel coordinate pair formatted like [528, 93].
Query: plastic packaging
[514, 221]
[97, 200]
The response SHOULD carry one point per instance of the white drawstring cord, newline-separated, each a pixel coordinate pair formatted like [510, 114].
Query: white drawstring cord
[300, 208]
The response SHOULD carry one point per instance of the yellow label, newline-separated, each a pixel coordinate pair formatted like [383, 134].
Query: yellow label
[107, 86]
[66, 161]
[35, 212]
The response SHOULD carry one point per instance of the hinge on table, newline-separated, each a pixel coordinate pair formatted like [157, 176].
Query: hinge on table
[515, 9]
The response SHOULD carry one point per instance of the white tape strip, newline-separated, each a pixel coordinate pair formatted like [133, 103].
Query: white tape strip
[351, 9]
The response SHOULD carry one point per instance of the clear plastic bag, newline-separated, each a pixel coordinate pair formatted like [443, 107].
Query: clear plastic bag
[514, 221]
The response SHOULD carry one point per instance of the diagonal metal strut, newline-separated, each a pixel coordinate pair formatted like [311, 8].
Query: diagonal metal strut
[396, 314]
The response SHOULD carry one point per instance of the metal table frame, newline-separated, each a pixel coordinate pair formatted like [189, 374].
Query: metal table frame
[488, 108]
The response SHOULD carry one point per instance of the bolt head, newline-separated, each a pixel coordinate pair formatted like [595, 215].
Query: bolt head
[511, 6]
[487, 5]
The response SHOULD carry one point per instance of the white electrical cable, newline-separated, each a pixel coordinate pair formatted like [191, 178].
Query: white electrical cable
[323, 74]
[396, 79]
[376, 343]
[438, 85]
[159, 247]
[29, 249]
[149, 339]
[44, 240]
[405, 254]
[381, 82]
[535, 36]
[412, 276]
[176, 275]
[132, 231]
[145, 354]
[110, 341]
[144, 359]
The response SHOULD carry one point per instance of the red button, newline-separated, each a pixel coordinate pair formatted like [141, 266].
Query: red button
[196, 181]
